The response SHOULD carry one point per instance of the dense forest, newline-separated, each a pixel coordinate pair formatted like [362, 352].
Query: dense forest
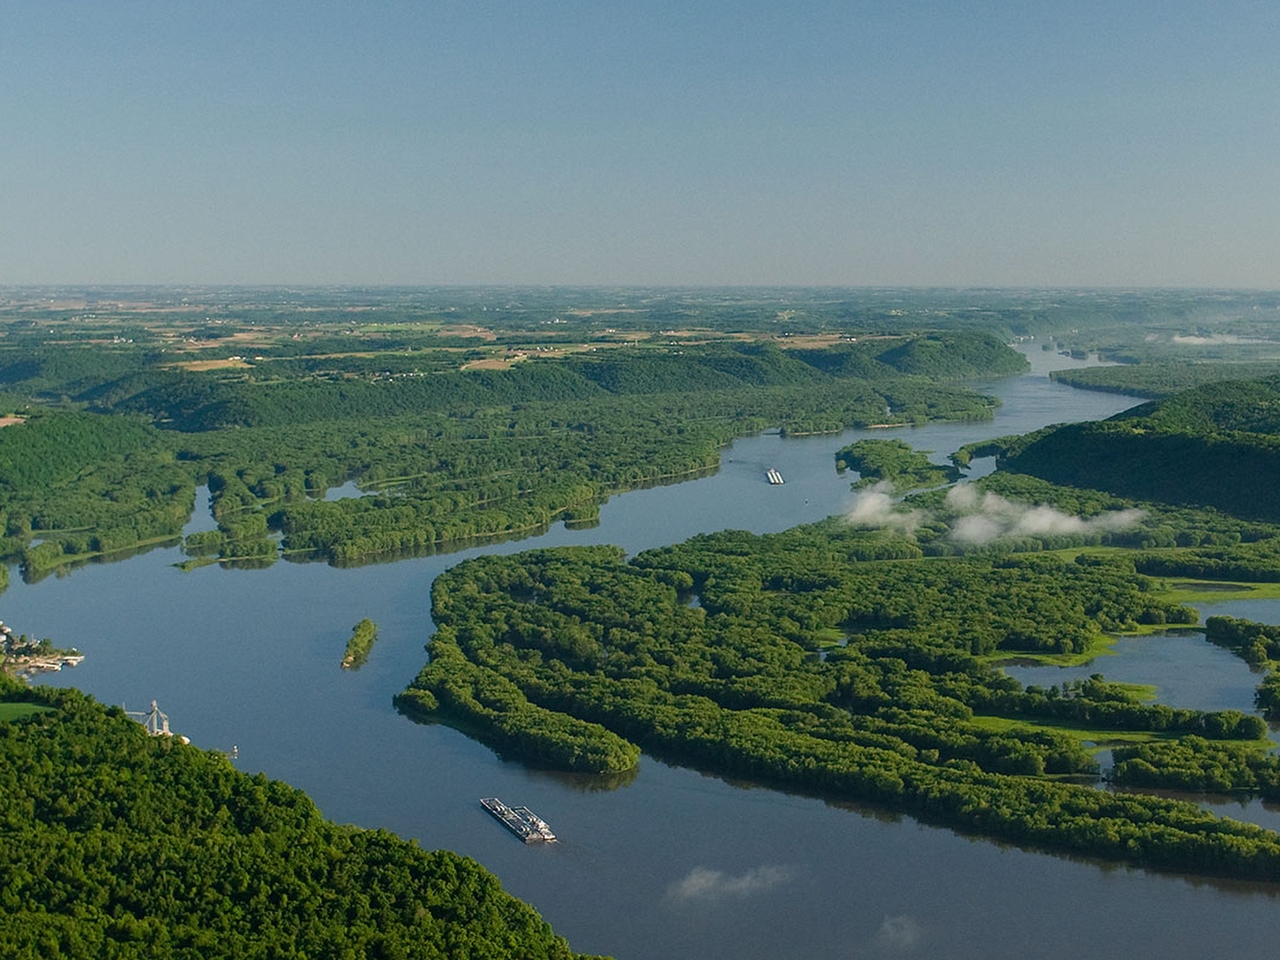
[446, 455]
[473, 413]
[120, 844]
[1217, 446]
[828, 659]
[1163, 379]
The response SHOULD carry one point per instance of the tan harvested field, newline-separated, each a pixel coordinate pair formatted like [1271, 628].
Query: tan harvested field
[226, 364]
[493, 363]
[467, 330]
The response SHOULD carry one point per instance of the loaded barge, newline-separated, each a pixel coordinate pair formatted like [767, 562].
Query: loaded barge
[521, 821]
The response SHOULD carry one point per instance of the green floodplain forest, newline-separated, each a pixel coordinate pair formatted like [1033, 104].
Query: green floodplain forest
[857, 658]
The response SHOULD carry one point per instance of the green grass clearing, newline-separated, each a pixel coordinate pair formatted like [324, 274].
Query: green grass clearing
[1096, 739]
[830, 637]
[16, 711]
[1192, 592]
[1099, 646]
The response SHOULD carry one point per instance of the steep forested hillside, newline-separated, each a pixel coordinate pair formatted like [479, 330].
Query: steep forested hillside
[114, 843]
[1217, 445]
[1163, 379]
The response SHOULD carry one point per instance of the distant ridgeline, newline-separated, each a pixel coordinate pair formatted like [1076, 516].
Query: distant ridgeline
[1163, 379]
[453, 455]
[119, 844]
[1217, 445]
[258, 396]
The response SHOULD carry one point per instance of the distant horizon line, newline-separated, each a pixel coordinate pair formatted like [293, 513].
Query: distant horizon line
[530, 285]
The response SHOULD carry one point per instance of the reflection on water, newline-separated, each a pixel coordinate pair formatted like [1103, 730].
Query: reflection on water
[1187, 670]
[347, 491]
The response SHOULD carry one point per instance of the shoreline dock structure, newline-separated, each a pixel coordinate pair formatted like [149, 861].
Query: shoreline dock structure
[24, 658]
[521, 821]
[774, 477]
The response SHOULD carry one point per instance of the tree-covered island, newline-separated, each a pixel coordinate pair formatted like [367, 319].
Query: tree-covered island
[363, 635]
[895, 463]
[829, 659]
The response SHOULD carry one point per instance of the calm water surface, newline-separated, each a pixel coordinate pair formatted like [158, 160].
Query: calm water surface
[673, 863]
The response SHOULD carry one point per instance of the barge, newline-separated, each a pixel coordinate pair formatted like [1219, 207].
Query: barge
[521, 821]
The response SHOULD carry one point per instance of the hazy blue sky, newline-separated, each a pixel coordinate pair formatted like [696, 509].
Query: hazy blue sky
[948, 143]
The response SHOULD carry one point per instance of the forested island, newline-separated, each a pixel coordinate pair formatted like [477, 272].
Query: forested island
[363, 634]
[895, 463]
[827, 658]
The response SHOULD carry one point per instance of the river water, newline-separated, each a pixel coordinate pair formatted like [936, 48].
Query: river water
[673, 863]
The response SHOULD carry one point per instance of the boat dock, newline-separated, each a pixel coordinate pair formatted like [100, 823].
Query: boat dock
[521, 821]
[774, 476]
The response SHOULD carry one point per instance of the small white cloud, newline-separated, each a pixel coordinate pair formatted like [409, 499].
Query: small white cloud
[991, 516]
[900, 934]
[962, 498]
[873, 508]
[1046, 520]
[976, 528]
[702, 883]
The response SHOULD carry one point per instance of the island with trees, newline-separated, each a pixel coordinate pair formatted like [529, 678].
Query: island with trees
[893, 462]
[842, 661]
[360, 644]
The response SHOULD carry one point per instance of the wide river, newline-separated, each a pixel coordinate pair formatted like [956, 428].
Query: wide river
[673, 863]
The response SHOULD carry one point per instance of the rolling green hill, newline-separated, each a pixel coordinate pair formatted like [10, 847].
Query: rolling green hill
[114, 843]
[1217, 445]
